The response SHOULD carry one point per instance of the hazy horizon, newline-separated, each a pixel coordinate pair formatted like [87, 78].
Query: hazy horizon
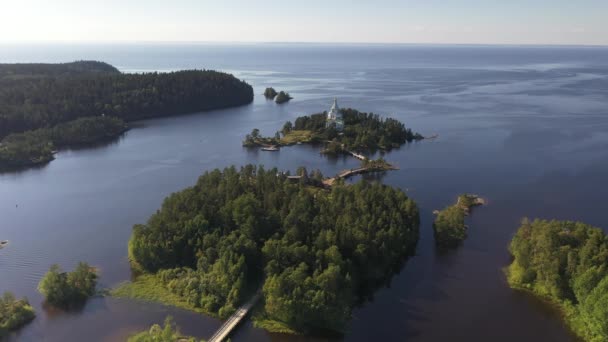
[458, 22]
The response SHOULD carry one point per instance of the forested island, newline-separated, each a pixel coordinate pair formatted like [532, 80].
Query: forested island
[361, 132]
[280, 97]
[68, 290]
[567, 263]
[314, 253]
[449, 227]
[36, 98]
[14, 313]
[270, 93]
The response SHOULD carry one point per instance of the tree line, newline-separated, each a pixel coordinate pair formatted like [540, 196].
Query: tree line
[314, 252]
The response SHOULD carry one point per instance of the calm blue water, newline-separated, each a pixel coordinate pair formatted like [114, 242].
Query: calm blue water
[526, 127]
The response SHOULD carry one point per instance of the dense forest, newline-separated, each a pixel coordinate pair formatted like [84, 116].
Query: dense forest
[167, 333]
[315, 253]
[14, 313]
[36, 96]
[566, 262]
[68, 289]
[362, 132]
[37, 146]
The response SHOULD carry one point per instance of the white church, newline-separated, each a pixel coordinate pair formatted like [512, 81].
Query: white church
[335, 117]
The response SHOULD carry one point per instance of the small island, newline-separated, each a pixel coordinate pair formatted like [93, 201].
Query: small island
[449, 227]
[44, 107]
[565, 262]
[14, 313]
[282, 97]
[67, 290]
[312, 252]
[343, 131]
[167, 333]
[270, 93]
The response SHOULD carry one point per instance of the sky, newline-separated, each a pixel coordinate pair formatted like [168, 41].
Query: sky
[567, 22]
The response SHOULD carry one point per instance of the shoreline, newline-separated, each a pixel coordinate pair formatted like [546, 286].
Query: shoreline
[566, 314]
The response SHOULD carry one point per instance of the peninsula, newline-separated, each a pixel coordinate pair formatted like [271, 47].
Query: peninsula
[44, 107]
[449, 227]
[313, 253]
[566, 263]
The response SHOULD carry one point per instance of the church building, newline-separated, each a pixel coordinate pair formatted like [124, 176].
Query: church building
[334, 116]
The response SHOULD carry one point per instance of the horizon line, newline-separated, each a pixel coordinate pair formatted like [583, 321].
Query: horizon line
[210, 42]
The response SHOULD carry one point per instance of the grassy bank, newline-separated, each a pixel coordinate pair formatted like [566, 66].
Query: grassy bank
[149, 288]
[272, 325]
[294, 137]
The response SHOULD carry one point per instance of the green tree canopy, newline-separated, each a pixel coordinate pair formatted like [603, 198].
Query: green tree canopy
[68, 289]
[167, 333]
[316, 252]
[14, 313]
[566, 262]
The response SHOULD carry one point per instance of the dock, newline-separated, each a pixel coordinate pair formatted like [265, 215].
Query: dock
[233, 321]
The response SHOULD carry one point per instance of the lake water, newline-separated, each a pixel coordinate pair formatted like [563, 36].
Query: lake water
[525, 127]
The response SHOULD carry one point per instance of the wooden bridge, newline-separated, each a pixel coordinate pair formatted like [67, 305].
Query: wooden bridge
[352, 172]
[234, 320]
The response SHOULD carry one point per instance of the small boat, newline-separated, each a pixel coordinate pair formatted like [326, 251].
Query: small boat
[3, 243]
[270, 148]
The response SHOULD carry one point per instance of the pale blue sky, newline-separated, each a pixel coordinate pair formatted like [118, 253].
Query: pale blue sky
[377, 21]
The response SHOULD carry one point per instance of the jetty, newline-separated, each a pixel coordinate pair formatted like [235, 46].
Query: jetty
[233, 321]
